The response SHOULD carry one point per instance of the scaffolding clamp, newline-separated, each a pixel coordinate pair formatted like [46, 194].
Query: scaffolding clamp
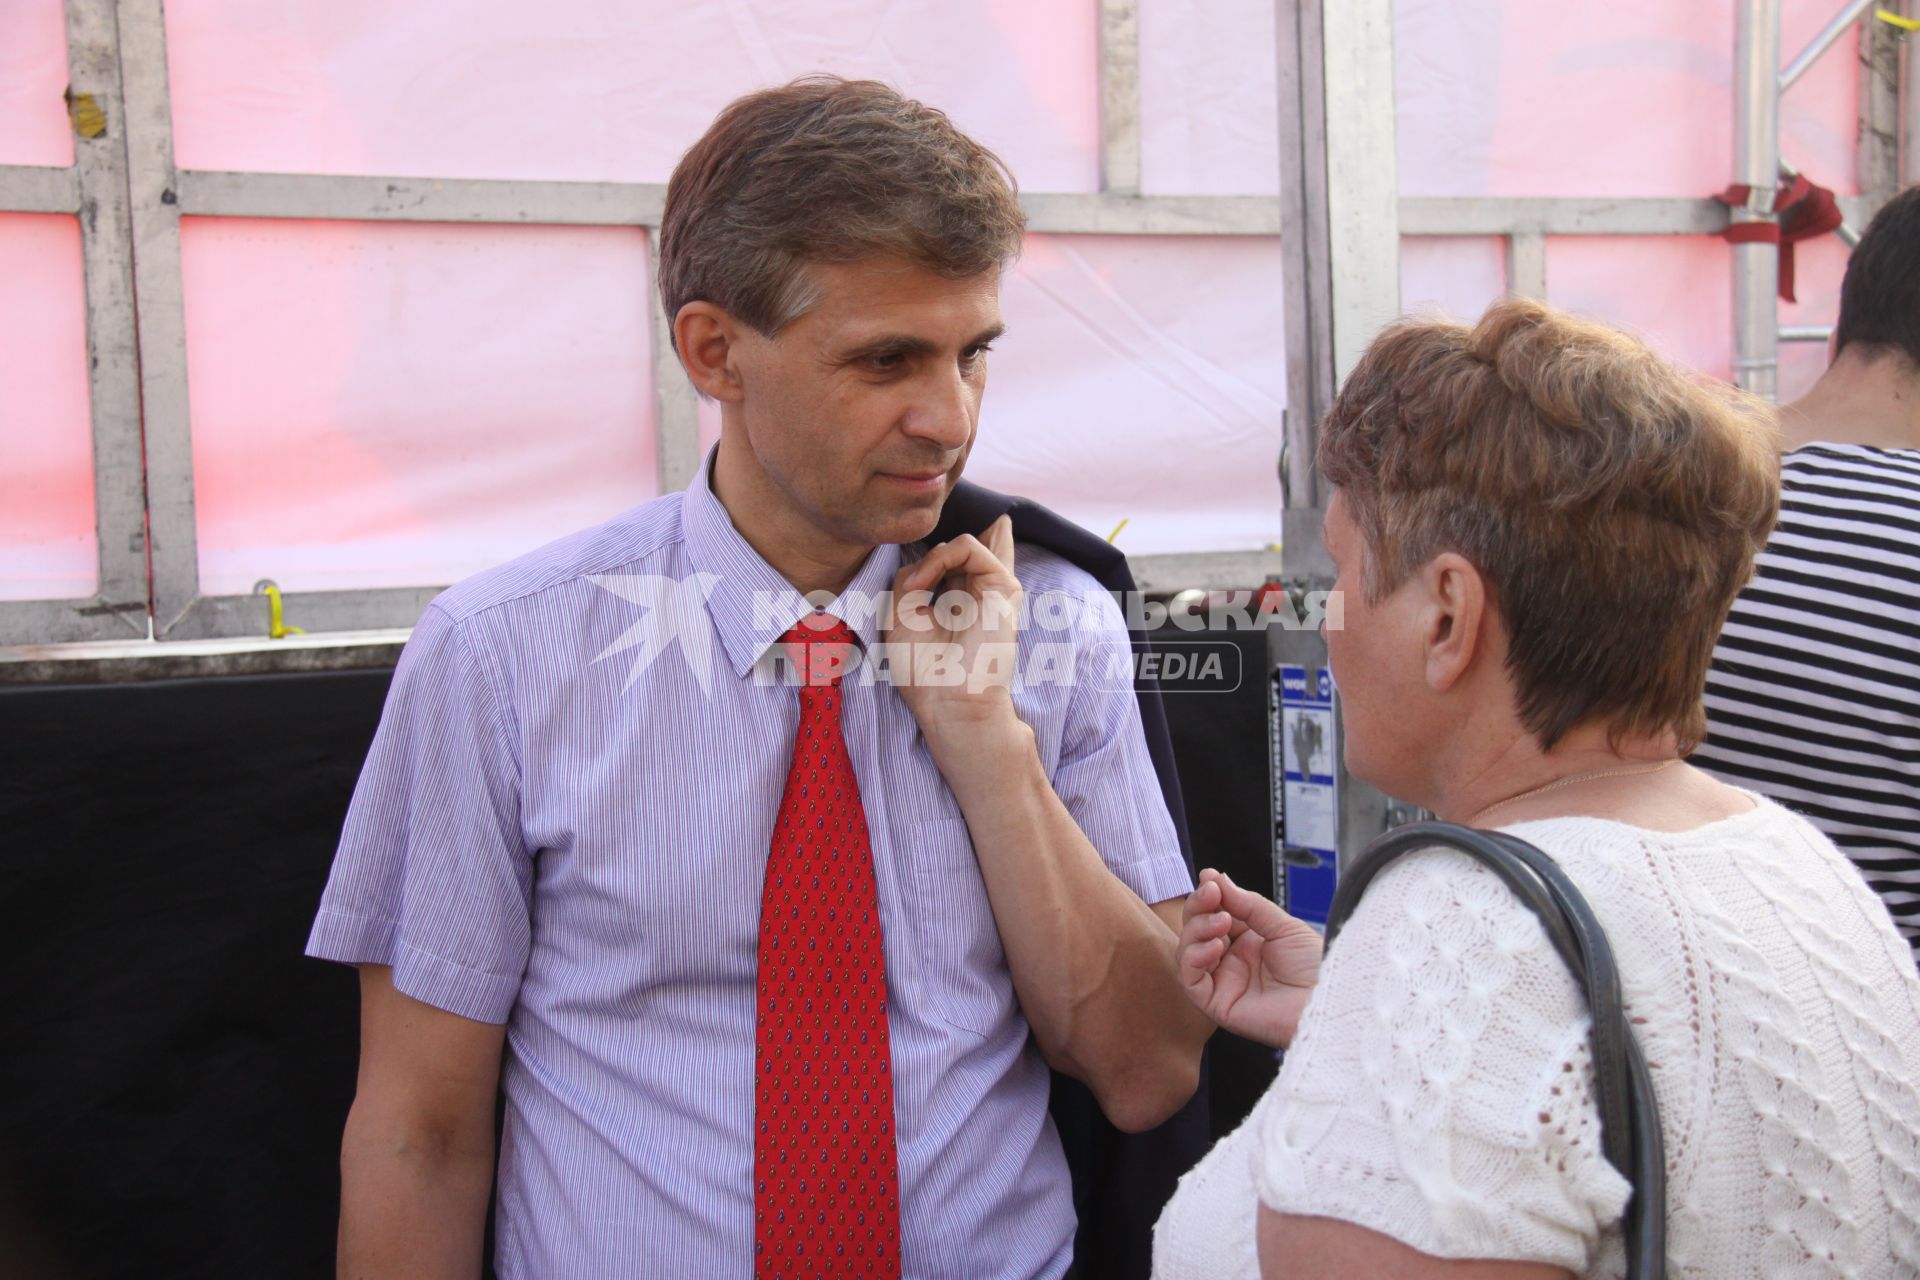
[1804, 210]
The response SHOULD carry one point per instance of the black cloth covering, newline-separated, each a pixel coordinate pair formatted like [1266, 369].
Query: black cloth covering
[1120, 1180]
[174, 1073]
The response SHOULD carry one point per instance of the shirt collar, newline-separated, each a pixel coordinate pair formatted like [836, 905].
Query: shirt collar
[751, 605]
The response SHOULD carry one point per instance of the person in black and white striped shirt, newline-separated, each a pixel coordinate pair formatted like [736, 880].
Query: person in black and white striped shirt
[1813, 698]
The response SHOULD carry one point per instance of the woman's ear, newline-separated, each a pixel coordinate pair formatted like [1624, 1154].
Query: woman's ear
[1456, 606]
[707, 338]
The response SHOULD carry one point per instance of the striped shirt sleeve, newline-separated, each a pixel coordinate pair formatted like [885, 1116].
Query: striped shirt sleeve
[432, 876]
[1813, 698]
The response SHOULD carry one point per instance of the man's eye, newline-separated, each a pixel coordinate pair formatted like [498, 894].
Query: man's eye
[885, 362]
[973, 355]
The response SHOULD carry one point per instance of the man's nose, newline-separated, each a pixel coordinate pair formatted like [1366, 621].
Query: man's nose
[942, 412]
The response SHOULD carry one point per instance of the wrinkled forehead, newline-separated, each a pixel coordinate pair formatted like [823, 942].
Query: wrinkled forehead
[876, 298]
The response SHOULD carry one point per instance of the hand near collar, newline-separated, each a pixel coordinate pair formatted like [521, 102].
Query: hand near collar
[953, 632]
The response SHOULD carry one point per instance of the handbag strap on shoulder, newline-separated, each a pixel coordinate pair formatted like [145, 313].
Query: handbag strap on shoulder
[1629, 1114]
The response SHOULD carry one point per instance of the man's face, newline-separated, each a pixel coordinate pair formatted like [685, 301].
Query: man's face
[862, 411]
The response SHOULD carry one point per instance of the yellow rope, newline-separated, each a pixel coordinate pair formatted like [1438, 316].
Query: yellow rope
[276, 624]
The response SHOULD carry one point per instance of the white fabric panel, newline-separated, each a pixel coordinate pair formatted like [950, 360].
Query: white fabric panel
[1674, 291]
[1499, 97]
[1142, 378]
[1513, 97]
[376, 405]
[1505, 97]
[1671, 290]
[1632, 98]
[584, 90]
[1208, 103]
[33, 73]
[404, 404]
[47, 549]
[1456, 276]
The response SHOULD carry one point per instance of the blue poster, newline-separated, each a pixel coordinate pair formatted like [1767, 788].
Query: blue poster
[1309, 793]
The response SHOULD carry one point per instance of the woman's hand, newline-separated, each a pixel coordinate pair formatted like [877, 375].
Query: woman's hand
[1249, 965]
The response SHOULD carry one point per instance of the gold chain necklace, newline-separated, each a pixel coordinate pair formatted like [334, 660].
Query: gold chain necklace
[1557, 783]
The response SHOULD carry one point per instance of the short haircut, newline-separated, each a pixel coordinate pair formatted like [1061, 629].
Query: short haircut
[827, 170]
[1613, 503]
[1880, 297]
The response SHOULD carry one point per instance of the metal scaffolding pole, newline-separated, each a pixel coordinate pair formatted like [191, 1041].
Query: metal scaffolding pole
[1910, 105]
[1824, 41]
[1756, 166]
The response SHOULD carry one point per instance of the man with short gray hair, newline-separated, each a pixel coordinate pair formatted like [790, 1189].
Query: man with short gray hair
[771, 977]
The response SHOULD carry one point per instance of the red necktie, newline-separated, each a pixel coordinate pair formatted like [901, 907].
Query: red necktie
[825, 1200]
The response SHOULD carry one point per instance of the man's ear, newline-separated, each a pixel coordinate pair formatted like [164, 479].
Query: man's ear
[708, 339]
[1455, 610]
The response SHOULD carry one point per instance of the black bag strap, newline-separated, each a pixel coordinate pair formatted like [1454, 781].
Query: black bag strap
[1629, 1114]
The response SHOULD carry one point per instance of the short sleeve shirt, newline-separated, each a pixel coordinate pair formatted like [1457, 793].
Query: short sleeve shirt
[563, 826]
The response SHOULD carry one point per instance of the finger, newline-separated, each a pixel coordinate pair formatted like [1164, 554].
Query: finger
[930, 568]
[912, 607]
[1204, 899]
[1260, 914]
[1205, 928]
[1000, 541]
[1199, 960]
[967, 557]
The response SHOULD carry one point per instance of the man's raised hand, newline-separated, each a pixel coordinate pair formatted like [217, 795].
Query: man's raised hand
[955, 627]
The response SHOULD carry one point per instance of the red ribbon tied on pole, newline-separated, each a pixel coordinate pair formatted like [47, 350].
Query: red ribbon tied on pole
[1805, 210]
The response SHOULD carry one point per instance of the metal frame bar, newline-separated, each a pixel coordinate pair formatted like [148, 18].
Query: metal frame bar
[676, 403]
[1849, 14]
[1910, 102]
[1756, 165]
[1363, 177]
[373, 609]
[1120, 96]
[154, 189]
[33, 188]
[128, 661]
[95, 190]
[1340, 183]
[1527, 264]
[1879, 148]
[1340, 186]
[1300, 83]
[213, 193]
[1560, 216]
[1204, 570]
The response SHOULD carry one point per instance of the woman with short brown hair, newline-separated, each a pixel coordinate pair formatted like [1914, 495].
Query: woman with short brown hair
[1538, 528]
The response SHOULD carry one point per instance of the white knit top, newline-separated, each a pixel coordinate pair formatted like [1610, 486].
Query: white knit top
[1438, 1090]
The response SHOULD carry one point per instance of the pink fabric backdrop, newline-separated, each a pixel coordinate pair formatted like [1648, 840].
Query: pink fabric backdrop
[46, 438]
[381, 404]
[397, 404]
[33, 74]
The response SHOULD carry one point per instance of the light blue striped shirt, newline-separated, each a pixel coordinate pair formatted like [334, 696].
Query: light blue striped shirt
[563, 825]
